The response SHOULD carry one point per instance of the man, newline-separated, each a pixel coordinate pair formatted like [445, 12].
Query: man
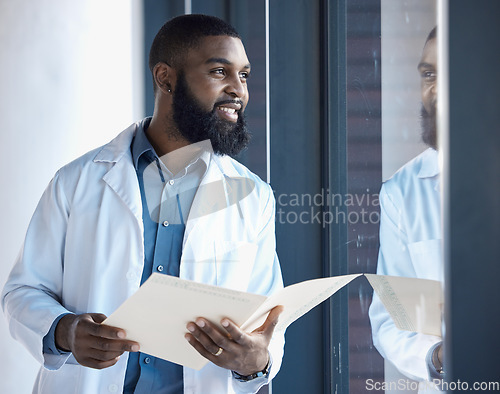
[145, 203]
[411, 235]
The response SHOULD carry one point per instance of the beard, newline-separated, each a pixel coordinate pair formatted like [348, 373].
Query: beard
[428, 124]
[195, 124]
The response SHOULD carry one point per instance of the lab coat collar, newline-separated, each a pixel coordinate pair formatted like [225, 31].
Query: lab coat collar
[122, 177]
[430, 164]
[114, 150]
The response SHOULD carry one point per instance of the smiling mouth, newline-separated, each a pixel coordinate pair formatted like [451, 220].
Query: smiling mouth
[229, 111]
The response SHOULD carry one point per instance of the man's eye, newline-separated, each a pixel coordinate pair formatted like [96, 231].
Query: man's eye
[218, 71]
[429, 75]
[244, 75]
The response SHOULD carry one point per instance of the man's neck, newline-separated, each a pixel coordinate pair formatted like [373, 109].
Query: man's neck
[164, 138]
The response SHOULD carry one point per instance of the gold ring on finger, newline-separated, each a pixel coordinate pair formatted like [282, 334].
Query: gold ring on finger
[219, 352]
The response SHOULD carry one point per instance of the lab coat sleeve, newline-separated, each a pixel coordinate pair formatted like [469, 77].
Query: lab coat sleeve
[406, 350]
[266, 279]
[32, 295]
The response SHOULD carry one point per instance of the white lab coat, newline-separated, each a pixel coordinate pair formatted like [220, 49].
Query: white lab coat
[410, 246]
[84, 252]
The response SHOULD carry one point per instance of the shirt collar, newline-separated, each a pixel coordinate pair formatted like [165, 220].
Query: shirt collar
[191, 156]
[140, 144]
[192, 152]
[430, 164]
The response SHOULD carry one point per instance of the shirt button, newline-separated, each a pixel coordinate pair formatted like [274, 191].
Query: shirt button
[171, 182]
[147, 360]
[113, 388]
[165, 223]
[160, 268]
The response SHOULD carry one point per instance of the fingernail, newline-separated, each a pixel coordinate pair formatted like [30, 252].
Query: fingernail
[135, 348]
[191, 328]
[225, 323]
[200, 323]
[120, 334]
[187, 337]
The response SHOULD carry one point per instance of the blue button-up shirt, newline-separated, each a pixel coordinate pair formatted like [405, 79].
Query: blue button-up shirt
[168, 186]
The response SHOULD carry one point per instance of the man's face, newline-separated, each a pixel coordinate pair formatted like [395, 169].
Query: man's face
[211, 94]
[428, 84]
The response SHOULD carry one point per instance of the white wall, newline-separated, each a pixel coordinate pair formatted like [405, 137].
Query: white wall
[405, 26]
[70, 80]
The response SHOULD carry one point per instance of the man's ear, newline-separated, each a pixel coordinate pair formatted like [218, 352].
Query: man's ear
[164, 77]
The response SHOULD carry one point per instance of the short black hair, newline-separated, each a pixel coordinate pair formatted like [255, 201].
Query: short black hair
[182, 33]
[431, 35]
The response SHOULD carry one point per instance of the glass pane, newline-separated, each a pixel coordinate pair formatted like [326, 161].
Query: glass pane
[394, 231]
[249, 18]
[364, 158]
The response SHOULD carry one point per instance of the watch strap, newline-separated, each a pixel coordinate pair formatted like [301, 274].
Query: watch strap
[245, 378]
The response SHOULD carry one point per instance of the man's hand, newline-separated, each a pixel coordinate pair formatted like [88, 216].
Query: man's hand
[93, 345]
[244, 353]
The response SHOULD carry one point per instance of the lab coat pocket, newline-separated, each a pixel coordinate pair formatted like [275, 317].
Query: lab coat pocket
[49, 381]
[234, 263]
[427, 259]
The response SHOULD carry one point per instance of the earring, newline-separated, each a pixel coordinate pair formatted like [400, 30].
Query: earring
[169, 90]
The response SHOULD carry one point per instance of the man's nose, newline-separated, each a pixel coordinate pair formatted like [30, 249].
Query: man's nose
[434, 90]
[235, 87]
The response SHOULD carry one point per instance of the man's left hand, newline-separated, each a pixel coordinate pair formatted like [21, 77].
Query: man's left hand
[242, 352]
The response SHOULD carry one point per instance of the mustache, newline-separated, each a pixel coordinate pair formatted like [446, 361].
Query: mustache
[428, 124]
[433, 109]
[431, 114]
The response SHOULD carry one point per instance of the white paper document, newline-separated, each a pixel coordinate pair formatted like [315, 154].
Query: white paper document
[414, 304]
[157, 314]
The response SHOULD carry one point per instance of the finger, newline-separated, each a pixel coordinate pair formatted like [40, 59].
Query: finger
[97, 364]
[235, 332]
[209, 337]
[98, 317]
[101, 355]
[271, 322]
[105, 331]
[113, 345]
[193, 341]
[222, 339]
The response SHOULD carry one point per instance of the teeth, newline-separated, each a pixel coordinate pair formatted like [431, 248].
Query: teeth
[228, 110]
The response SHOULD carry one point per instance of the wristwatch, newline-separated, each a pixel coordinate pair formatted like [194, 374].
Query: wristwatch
[262, 374]
[436, 362]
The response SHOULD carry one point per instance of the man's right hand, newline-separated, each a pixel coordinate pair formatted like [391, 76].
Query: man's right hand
[93, 344]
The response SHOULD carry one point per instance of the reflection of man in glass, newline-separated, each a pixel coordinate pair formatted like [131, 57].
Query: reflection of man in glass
[410, 237]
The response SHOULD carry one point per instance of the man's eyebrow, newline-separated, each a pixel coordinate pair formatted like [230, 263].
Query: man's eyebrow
[424, 65]
[223, 60]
